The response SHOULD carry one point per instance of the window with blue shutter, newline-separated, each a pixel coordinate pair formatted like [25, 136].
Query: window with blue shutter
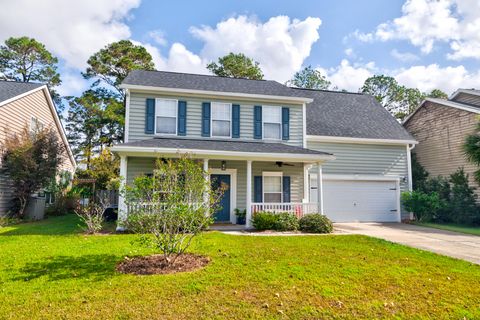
[150, 116]
[286, 188]
[235, 121]
[257, 122]
[182, 118]
[257, 189]
[206, 119]
[285, 123]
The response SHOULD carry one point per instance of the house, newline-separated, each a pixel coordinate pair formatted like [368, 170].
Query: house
[27, 104]
[441, 127]
[270, 143]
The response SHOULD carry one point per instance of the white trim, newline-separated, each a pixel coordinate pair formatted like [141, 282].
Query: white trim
[21, 95]
[216, 93]
[320, 178]
[466, 91]
[358, 140]
[127, 115]
[443, 102]
[219, 154]
[248, 217]
[233, 189]
[306, 184]
[211, 120]
[272, 174]
[176, 118]
[122, 207]
[360, 177]
[280, 123]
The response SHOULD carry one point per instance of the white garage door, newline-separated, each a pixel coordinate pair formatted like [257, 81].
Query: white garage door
[363, 201]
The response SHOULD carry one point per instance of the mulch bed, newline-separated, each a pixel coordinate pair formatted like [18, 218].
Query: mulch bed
[156, 264]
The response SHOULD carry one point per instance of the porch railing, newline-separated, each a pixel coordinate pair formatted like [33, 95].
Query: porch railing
[299, 209]
[150, 207]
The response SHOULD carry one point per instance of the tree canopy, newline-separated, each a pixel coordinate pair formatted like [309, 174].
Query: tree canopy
[112, 64]
[309, 78]
[236, 65]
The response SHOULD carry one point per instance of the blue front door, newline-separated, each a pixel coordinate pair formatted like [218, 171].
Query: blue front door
[223, 214]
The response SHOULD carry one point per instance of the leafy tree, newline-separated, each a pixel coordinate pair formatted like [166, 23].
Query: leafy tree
[437, 93]
[236, 65]
[309, 78]
[112, 64]
[419, 174]
[31, 160]
[385, 89]
[463, 200]
[25, 59]
[471, 148]
[408, 99]
[182, 203]
[104, 168]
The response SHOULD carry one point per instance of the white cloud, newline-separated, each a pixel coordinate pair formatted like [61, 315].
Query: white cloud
[158, 36]
[72, 83]
[425, 23]
[72, 30]
[349, 77]
[404, 56]
[280, 44]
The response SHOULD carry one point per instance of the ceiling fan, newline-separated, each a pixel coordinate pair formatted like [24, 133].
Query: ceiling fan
[281, 164]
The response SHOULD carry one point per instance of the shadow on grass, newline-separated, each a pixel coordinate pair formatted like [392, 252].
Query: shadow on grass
[92, 267]
[62, 225]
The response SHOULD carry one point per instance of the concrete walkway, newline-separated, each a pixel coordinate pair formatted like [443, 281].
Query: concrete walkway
[453, 244]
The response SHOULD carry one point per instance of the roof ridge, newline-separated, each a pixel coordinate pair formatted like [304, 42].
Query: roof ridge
[330, 91]
[206, 75]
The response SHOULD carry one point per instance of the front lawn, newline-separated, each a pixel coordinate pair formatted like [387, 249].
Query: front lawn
[49, 270]
[451, 227]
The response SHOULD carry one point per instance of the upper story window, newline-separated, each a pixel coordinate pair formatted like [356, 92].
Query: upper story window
[166, 116]
[272, 122]
[221, 119]
[272, 187]
[35, 125]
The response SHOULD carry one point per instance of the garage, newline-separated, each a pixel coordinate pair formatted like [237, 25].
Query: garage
[359, 200]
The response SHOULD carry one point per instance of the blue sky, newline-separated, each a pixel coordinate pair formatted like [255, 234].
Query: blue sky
[423, 43]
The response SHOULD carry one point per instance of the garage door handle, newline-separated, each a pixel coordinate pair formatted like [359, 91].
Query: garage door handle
[393, 188]
[394, 210]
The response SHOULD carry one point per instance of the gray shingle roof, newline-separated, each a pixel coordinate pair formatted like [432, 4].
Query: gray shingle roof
[10, 89]
[355, 115]
[208, 83]
[221, 145]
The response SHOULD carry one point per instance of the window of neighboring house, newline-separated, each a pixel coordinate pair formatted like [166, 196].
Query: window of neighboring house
[166, 116]
[272, 187]
[272, 122]
[35, 125]
[221, 119]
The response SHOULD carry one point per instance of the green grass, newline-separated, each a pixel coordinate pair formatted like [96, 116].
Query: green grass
[451, 227]
[50, 270]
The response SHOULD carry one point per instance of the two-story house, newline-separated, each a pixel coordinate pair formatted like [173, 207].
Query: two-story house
[278, 148]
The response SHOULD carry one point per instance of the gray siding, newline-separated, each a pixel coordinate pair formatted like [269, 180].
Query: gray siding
[6, 195]
[468, 99]
[140, 166]
[194, 113]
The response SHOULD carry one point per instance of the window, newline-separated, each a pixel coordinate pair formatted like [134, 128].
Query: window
[272, 187]
[35, 125]
[166, 116]
[272, 122]
[221, 119]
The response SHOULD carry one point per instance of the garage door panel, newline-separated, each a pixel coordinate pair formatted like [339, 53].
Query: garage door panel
[365, 201]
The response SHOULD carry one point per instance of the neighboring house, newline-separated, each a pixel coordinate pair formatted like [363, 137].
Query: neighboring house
[27, 104]
[441, 127]
[269, 143]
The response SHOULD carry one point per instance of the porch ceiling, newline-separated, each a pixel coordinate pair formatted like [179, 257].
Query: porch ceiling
[221, 149]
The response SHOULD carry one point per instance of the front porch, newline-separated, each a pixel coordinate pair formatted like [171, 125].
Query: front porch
[271, 181]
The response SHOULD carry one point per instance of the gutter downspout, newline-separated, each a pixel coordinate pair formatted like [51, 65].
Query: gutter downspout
[410, 147]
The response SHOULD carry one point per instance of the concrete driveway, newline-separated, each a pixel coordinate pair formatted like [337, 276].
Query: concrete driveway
[453, 244]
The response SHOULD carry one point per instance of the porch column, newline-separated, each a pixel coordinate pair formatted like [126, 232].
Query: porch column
[320, 188]
[122, 206]
[207, 178]
[306, 183]
[248, 216]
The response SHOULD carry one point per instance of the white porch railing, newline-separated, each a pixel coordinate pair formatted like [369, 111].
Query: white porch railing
[299, 209]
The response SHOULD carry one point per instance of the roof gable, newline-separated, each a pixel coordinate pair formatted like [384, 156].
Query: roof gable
[12, 89]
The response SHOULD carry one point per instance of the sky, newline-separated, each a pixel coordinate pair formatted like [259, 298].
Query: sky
[426, 44]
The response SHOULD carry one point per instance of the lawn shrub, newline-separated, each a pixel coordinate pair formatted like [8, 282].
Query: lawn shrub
[463, 200]
[286, 222]
[422, 205]
[315, 223]
[264, 220]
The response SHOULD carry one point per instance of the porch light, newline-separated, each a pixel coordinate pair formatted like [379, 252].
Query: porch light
[224, 165]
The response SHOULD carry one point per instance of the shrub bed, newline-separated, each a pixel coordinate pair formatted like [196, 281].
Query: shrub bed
[284, 221]
[315, 223]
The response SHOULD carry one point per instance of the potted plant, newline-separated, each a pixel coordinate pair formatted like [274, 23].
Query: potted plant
[241, 214]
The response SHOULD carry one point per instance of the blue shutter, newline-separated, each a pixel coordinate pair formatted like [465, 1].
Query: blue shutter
[206, 119]
[150, 116]
[235, 121]
[286, 189]
[182, 118]
[285, 123]
[257, 122]
[257, 189]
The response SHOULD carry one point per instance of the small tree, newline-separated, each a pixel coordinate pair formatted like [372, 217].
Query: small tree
[309, 78]
[32, 160]
[422, 205]
[236, 65]
[172, 206]
[92, 214]
[463, 199]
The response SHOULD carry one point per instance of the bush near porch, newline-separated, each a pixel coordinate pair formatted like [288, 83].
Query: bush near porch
[51, 270]
[286, 221]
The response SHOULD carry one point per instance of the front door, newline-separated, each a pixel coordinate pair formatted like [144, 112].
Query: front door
[223, 214]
